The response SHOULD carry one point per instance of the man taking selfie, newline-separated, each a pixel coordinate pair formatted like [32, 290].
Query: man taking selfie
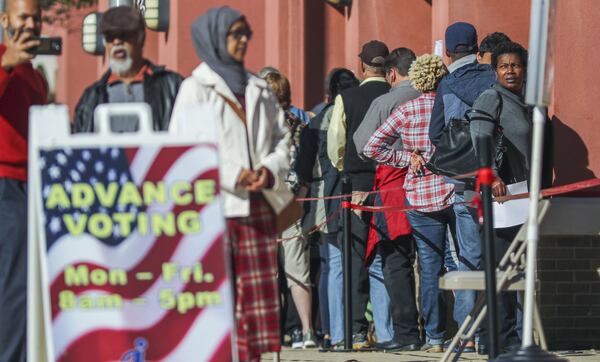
[20, 87]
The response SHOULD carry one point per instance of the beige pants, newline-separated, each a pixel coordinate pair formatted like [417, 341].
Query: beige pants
[296, 256]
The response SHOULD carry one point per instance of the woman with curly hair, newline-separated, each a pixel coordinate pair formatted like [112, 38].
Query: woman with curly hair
[427, 192]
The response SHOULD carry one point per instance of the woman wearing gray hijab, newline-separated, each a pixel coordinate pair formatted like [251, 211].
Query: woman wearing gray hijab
[254, 158]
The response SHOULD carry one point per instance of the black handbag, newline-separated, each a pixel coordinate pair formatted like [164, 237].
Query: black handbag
[455, 155]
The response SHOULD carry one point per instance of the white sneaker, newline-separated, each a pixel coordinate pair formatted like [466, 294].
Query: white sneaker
[297, 341]
[309, 340]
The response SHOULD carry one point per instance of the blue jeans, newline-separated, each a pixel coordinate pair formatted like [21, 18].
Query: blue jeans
[380, 299]
[450, 258]
[335, 291]
[466, 228]
[429, 231]
[380, 302]
[323, 283]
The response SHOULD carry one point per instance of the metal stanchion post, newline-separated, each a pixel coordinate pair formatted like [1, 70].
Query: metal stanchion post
[347, 249]
[485, 178]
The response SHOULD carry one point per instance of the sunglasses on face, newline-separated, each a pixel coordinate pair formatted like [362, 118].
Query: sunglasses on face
[237, 34]
[125, 36]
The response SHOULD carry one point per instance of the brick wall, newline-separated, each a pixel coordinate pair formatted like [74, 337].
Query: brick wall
[569, 294]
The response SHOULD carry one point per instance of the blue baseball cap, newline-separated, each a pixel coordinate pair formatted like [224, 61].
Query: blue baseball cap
[461, 37]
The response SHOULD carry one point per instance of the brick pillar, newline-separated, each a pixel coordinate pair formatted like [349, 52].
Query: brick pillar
[569, 294]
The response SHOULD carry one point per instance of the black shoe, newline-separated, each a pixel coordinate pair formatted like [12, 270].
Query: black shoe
[326, 344]
[297, 341]
[385, 345]
[394, 346]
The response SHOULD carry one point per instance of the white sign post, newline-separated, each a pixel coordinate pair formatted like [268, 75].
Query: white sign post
[126, 241]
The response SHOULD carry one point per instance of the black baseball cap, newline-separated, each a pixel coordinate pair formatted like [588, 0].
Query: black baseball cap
[373, 53]
[122, 19]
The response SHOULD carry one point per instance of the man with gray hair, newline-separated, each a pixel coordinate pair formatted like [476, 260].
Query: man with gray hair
[349, 110]
[130, 78]
[390, 242]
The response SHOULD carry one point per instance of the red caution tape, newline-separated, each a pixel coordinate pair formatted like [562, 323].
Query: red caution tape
[313, 229]
[476, 202]
[300, 199]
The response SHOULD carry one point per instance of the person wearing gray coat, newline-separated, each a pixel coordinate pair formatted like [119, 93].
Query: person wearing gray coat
[506, 108]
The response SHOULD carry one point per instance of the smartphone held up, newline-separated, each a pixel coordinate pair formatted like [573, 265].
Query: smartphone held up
[48, 46]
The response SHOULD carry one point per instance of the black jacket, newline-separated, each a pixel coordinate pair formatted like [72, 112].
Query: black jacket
[357, 101]
[313, 147]
[160, 90]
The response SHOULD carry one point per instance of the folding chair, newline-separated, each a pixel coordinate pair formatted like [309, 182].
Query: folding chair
[557, 216]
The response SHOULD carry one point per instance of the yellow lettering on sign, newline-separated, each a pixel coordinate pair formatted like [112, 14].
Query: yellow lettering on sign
[75, 227]
[204, 191]
[163, 224]
[130, 195]
[82, 195]
[66, 300]
[57, 197]
[77, 276]
[180, 193]
[188, 222]
[124, 219]
[154, 192]
[100, 225]
[107, 195]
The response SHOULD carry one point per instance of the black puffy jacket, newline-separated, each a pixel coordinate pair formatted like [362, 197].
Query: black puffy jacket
[160, 90]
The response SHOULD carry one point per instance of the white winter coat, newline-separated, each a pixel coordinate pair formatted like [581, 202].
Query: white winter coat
[267, 138]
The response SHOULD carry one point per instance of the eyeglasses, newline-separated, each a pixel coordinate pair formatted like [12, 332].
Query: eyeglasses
[124, 36]
[237, 34]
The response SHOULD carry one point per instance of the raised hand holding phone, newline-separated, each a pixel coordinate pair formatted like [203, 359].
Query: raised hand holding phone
[17, 47]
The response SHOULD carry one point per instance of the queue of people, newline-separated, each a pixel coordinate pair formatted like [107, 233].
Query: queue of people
[378, 128]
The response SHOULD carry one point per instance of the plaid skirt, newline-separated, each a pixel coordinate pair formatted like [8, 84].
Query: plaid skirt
[253, 247]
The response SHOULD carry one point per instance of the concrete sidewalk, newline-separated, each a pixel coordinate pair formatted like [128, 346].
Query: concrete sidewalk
[311, 355]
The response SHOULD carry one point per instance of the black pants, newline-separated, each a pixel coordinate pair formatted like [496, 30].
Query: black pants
[13, 270]
[360, 234]
[398, 257]
[507, 301]
[359, 272]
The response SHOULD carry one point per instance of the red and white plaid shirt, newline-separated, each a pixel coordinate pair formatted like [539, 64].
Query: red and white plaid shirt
[410, 123]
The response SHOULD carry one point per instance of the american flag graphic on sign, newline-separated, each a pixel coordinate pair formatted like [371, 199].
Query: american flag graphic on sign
[135, 263]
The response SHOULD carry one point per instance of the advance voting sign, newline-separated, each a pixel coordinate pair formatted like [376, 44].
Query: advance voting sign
[131, 251]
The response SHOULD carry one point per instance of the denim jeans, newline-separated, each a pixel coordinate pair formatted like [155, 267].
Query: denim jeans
[380, 302]
[429, 231]
[324, 282]
[450, 258]
[13, 270]
[335, 291]
[468, 242]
